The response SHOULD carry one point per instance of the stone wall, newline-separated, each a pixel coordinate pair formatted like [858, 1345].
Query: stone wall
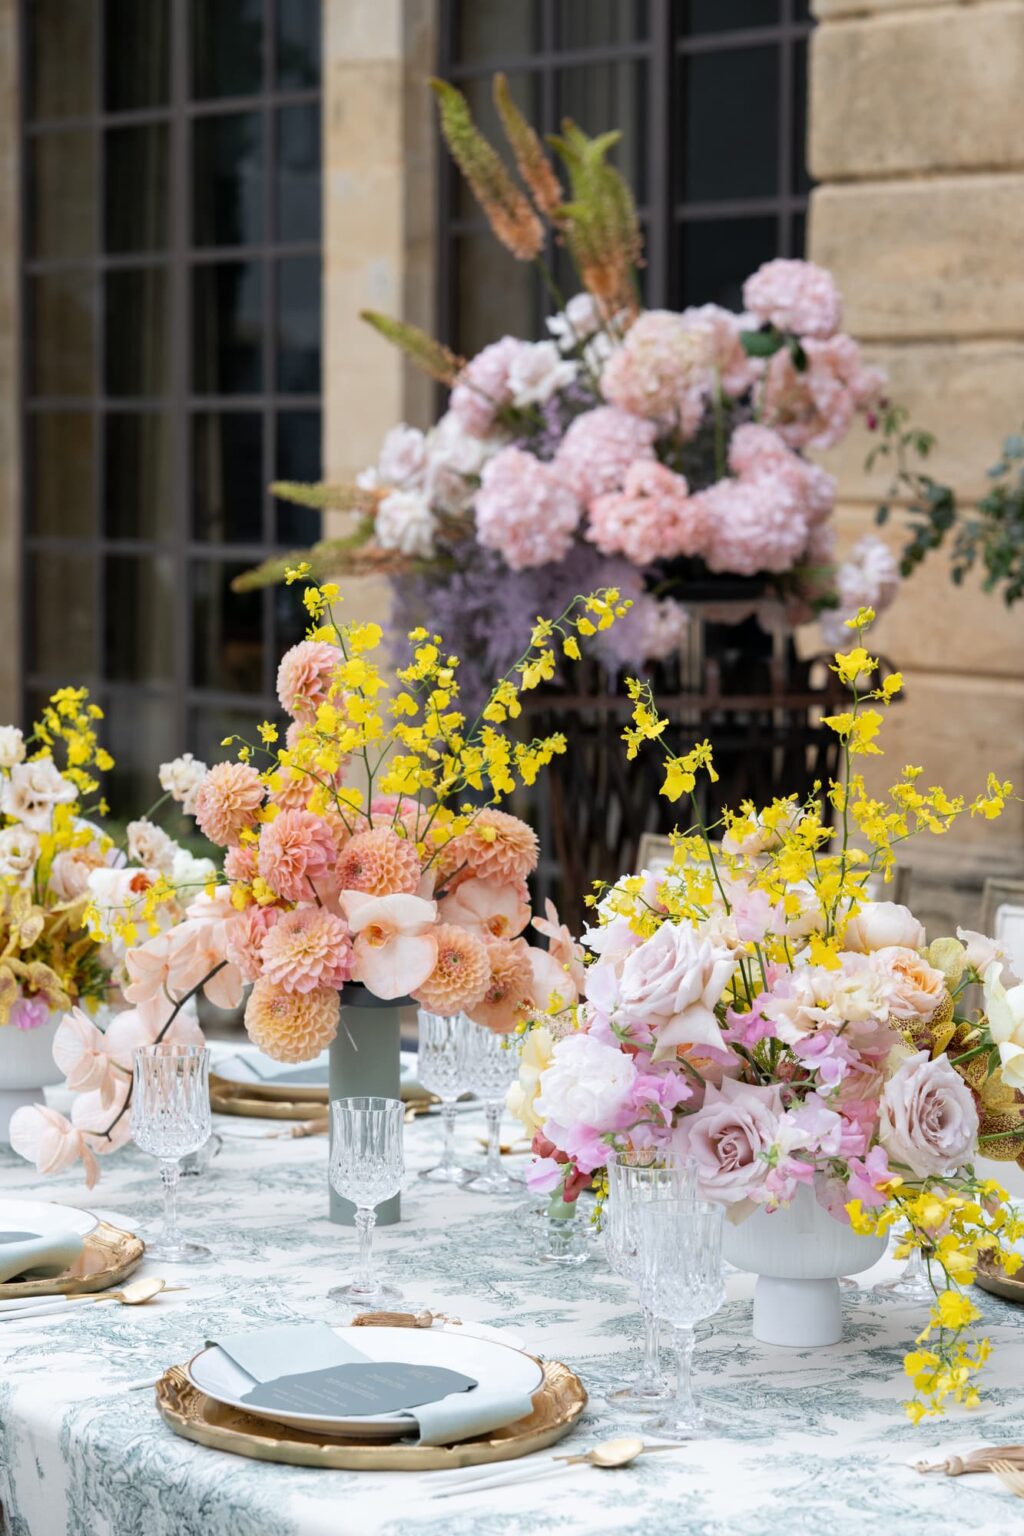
[10, 436]
[917, 143]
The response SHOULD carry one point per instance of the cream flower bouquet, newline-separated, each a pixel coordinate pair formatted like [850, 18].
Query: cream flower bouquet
[752, 1007]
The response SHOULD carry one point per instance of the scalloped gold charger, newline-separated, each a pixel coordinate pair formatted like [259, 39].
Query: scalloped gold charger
[993, 1280]
[108, 1257]
[557, 1406]
[244, 1099]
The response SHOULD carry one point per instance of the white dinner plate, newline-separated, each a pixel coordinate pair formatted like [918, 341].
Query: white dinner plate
[44, 1218]
[246, 1066]
[497, 1364]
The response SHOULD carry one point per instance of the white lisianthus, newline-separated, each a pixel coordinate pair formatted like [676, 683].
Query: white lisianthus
[586, 1084]
[32, 791]
[19, 850]
[181, 779]
[537, 371]
[576, 322]
[12, 746]
[534, 1060]
[150, 846]
[406, 523]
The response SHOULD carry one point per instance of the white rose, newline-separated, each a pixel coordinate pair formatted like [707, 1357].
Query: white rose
[181, 779]
[1005, 1009]
[403, 457]
[586, 1084]
[19, 850]
[881, 925]
[188, 871]
[405, 522]
[982, 951]
[32, 791]
[12, 746]
[537, 371]
[928, 1118]
[669, 985]
[150, 846]
[579, 319]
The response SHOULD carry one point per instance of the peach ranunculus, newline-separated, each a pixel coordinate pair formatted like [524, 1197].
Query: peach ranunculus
[79, 1050]
[487, 908]
[915, 988]
[47, 1138]
[393, 948]
[883, 925]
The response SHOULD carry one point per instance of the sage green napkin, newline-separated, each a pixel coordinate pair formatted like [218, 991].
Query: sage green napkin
[24, 1252]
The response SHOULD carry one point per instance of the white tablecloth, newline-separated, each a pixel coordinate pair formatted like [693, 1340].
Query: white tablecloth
[817, 1442]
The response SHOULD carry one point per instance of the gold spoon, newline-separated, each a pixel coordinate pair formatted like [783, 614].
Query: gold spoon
[608, 1454]
[616, 1453]
[136, 1294]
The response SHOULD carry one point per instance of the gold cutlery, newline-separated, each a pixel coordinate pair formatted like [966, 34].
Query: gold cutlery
[608, 1454]
[135, 1294]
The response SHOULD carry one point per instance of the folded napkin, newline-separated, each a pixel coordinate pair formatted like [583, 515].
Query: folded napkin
[246, 1069]
[24, 1252]
[310, 1350]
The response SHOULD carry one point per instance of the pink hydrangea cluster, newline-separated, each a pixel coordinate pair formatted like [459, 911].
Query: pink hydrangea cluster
[483, 387]
[758, 450]
[814, 407]
[652, 518]
[727, 356]
[598, 449]
[869, 577]
[654, 628]
[525, 510]
[661, 370]
[753, 523]
[794, 296]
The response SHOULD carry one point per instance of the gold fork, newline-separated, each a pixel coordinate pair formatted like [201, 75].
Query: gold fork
[1010, 1476]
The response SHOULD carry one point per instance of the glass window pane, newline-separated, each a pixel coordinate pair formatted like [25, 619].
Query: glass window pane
[61, 452]
[139, 616]
[227, 47]
[494, 29]
[801, 178]
[731, 105]
[596, 23]
[297, 205]
[141, 732]
[62, 193]
[496, 294]
[138, 332]
[227, 180]
[227, 483]
[728, 15]
[210, 726]
[60, 35]
[62, 333]
[138, 54]
[139, 484]
[297, 457]
[290, 618]
[716, 256]
[62, 616]
[799, 240]
[137, 178]
[298, 44]
[600, 97]
[227, 328]
[227, 630]
[298, 325]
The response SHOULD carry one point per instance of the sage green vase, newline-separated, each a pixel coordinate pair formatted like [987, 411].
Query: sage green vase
[365, 1060]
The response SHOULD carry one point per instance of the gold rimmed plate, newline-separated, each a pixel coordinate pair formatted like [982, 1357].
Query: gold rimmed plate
[229, 1098]
[108, 1257]
[992, 1278]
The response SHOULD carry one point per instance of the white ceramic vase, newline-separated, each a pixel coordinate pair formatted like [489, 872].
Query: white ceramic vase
[26, 1068]
[798, 1253]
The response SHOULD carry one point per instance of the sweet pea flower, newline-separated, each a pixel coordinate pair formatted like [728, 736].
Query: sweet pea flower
[868, 1176]
[43, 1136]
[393, 949]
[79, 1050]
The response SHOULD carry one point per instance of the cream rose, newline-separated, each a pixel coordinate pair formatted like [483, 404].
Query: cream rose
[729, 1139]
[928, 1119]
[915, 988]
[883, 925]
[181, 779]
[150, 846]
[586, 1083]
[72, 870]
[12, 746]
[19, 850]
[669, 985]
[33, 790]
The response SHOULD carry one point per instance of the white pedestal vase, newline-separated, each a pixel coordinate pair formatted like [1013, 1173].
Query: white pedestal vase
[798, 1253]
[26, 1068]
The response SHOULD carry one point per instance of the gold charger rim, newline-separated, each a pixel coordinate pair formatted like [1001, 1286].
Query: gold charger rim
[122, 1252]
[558, 1403]
[992, 1279]
[268, 1093]
[233, 1099]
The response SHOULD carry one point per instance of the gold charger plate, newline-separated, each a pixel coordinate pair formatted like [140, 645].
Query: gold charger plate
[108, 1257]
[270, 1093]
[239, 1099]
[997, 1283]
[557, 1405]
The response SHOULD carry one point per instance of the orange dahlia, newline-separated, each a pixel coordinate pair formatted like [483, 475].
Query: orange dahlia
[509, 996]
[380, 863]
[462, 974]
[495, 847]
[291, 1026]
[227, 801]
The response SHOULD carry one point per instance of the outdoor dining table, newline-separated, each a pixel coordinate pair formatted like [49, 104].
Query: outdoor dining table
[815, 1442]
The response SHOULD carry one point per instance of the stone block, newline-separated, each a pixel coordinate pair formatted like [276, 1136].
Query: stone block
[935, 258]
[828, 10]
[917, 91]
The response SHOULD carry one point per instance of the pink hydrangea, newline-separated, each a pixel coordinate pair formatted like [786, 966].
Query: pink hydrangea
[753, 524]
[814, 407]
[869, 577]
[652, 630]
[482, 388]
[662, 370]
[756, 450]
[524, 510]
[304, 677]
[727, 355]
[794, 296]
[296, 849]
[598, 449]
[653, 518]
[306, 950]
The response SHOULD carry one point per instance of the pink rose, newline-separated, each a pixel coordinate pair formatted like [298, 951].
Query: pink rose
[929, 1122]
[668, 987]
[883, 925]
[729, 1139]
[915, 988]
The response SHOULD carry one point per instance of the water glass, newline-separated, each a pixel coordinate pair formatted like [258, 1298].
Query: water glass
[492, 1066]
[681, 1243]
[633, 1181]
[442, 1066]
[170, 1117]
[367, 1166]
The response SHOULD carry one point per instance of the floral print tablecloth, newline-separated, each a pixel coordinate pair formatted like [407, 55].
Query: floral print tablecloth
[817, 1442]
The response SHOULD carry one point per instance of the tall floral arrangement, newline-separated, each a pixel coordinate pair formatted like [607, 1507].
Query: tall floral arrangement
[365, 845]
[668, 446]
[753, 1008]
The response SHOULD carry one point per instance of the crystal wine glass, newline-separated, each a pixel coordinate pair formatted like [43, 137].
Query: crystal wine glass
[492, 1064]
[170, 1117]
[681, 1242]
[442, 1068]
[632, 1183]
[367, 1167]
[912, 1283]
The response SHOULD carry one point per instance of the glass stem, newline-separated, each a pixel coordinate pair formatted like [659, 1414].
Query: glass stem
[170, 1172]
[365, 1221]
[650, 1371]
[494, 1169]
[448, 1116]
[914, 1271]
[686, 1403]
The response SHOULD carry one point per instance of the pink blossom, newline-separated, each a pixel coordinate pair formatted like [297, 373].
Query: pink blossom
[813, 407]
[394, 950]
[524, 510]
[662, 370]
[296, 849]
[48, 1139]
[929, 1122]
[243, 939]
[794, 296]
[544, 1175]
[598, 449]
[29, 1013]
[127, 1031]
[755, 450]
[730, 1138]
[489, 908]
[652, 630]
[652, 518]
[869, 577]
[753, 524]
[727, 355]
[79, 1050]
[103, 1127]
[483, 389]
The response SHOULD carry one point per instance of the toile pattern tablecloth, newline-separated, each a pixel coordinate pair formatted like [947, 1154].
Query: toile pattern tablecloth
[817, 1442]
